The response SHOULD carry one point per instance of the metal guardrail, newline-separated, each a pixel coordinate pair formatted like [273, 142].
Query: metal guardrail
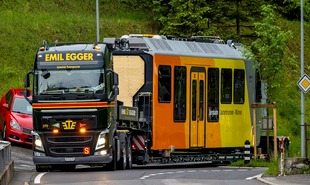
[5, 154]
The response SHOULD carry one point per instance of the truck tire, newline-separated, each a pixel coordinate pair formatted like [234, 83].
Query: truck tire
[121, 164]
[112, 165]
[129, 154]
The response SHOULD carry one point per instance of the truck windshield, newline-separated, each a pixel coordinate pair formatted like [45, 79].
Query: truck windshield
[69, 81]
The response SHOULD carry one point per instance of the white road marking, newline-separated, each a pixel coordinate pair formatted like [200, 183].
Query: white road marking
[254, 177]
[242, 170]
[204, 171]
[215, 170]
[191, 171]
[228, 170]
[38, 178]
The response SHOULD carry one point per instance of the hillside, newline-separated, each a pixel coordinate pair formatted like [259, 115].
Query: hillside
[24, 25]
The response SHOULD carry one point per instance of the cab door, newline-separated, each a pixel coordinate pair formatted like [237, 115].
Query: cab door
[197, 108]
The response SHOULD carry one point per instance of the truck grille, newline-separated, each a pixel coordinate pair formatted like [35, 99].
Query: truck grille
[69, 139]
[69, 144]
[66, 151]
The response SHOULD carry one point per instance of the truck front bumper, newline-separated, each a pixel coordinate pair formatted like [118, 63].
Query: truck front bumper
[86, 160]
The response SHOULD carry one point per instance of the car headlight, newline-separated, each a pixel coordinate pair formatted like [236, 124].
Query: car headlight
[101, 140]
[14, 125]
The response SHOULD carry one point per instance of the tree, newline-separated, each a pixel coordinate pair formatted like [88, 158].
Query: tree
[183, 18]
[290, 9]
[236, 13]
[269, 50]
[206, 17]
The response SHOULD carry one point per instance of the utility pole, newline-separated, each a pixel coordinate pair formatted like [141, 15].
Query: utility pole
[97, 20]
[302, 124]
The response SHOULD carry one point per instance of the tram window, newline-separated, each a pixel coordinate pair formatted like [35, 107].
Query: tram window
[179, 93]
[164, 83]
[201, 99]
[226, 86]
[213, 94]
[239, 86]
[194, 86]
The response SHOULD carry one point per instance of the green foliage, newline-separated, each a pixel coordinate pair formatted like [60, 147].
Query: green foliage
[183, 18]
[272, 166]
[234, 10]
[24, 24]
[290, 9]
[136, 4]
[269, 50]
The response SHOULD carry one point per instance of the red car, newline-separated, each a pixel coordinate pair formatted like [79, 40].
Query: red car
[16, 117]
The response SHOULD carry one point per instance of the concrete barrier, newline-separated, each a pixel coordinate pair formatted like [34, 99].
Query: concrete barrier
[293, 166]
[6, 163]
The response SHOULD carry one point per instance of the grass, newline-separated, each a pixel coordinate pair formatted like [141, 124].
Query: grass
[272, 166]
[25, 24]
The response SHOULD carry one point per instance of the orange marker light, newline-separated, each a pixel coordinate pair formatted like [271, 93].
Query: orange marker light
[55, 131]
[97, 48]
[82, 130]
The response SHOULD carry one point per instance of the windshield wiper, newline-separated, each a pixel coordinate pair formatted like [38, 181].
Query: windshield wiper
[53, 94]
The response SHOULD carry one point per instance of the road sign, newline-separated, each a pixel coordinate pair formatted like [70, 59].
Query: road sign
[304, 83]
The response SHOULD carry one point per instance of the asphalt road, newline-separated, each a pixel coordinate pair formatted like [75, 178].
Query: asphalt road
[157, 174]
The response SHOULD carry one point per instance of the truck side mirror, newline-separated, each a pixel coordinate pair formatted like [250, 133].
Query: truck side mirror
[115, 79]
[114, 85]
[27, 85]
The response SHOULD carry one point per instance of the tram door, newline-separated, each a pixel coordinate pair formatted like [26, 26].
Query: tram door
[197, 97]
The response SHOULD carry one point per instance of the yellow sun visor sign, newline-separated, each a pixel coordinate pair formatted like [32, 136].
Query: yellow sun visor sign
[53, 57]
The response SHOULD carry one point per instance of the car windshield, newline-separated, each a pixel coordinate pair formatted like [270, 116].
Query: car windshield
[21, 105]
[69, 81]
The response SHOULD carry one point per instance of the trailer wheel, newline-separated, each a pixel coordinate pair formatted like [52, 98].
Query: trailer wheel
[129, 154]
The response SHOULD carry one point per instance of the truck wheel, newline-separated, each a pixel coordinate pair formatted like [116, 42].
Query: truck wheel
[129, 154]
[112, 165]
[121, 164]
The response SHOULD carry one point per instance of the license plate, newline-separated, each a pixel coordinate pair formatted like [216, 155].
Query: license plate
[69, 159]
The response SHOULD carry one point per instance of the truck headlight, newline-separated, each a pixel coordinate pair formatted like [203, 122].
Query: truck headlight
[101, 141]
[38, 142]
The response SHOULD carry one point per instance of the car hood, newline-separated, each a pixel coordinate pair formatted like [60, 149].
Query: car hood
[24, 120]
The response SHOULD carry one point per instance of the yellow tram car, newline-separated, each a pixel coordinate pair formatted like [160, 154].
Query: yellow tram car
[194, 94]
